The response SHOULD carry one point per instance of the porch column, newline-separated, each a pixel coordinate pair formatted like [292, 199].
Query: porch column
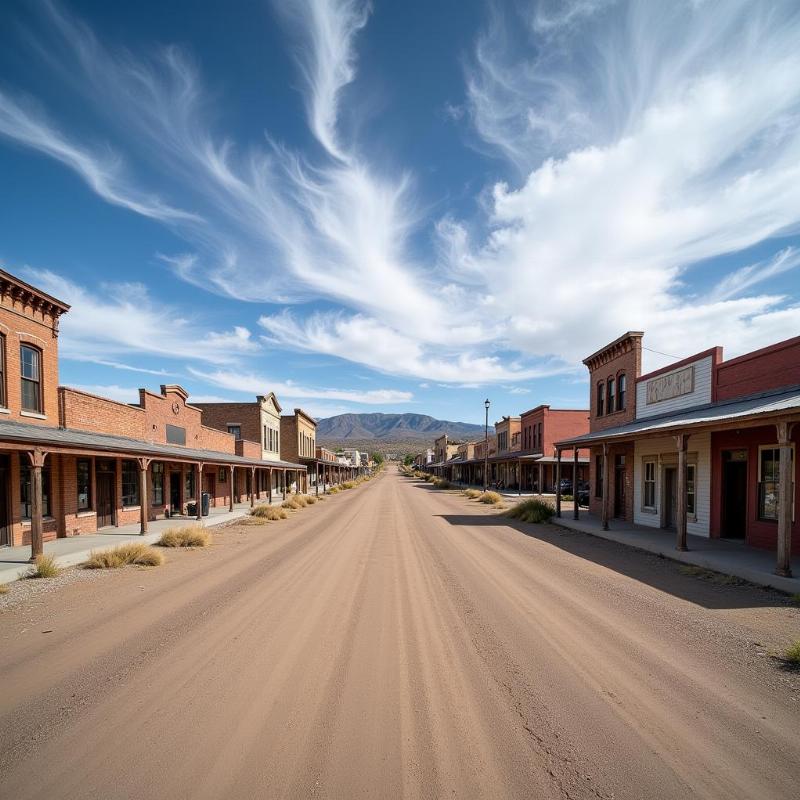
[283, 478]
[36, 458]
[519, 477]
[682, 442]
[604, 498]
[198, 490]
[316, 479]
[269, 474]
[252, 487]
[541, 477]
[231, 476]
[575, 510]
[785, 497]
[558, 482]
[144, 463]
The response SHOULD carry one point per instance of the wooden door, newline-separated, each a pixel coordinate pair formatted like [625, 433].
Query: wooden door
[670, 497]
[734, 499]
[105, 499]
[619, 487]
[5, 509]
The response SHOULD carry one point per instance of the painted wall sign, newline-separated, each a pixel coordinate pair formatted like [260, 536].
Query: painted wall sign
[674, 384]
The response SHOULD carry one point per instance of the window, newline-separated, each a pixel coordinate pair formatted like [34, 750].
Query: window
[649, 493]
[265, 437]
[130, 483]
[768, 479]
[190, 484]
[621, 391]
[3, 401]
[158, 484]
[84, 470]
[601, 393]
[31, 377]
[691, 472]
[610, 408]
[236, 430]
[26, 491]
[222, 475]
[541, 442]
[598, 476]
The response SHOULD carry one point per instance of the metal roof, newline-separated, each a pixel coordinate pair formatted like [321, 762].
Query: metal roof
[69, 438]
[751, 407]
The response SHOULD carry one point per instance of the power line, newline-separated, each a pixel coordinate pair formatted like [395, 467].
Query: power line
[650, 349]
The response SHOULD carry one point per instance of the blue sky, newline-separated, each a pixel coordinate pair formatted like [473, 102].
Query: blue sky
[400, 206]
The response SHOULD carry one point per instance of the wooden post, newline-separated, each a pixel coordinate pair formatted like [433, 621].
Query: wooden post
[37, 458]
[144, 463]
[604, 499]
[232, 476]
[283, 479]
[316, 479]
[575, 510]
[558, 482]
[252, 487]
[785, 497]
[541, 477]
[198, 490]
[681, 441]
[269, 473]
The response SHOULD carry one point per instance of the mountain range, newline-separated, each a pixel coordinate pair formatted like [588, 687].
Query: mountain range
[392, 427]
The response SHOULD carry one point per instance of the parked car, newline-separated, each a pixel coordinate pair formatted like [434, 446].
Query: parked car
[566, 486]
[582, 495]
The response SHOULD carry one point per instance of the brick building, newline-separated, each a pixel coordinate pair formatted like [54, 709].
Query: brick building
[73, 463]
[703, 446]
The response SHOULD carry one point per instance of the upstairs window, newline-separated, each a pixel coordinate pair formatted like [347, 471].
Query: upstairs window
[610, 396]
[601, 394]
[236, 430]
[621, 392]
[3, 401]
[31, 377]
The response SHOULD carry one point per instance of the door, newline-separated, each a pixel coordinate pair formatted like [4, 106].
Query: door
[734, 494]
[175, 499]
[105, 499]
[5, 516]
[619, 486]
[670, 497]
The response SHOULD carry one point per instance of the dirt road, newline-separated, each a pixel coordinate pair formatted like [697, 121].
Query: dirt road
[398, 642]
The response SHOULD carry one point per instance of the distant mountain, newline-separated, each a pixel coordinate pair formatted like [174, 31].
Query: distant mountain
[392, 427]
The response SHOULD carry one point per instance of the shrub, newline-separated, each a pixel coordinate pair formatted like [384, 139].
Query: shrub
[268, 512]
[792, 654]
[533, 510]
[4, 589]
[567, 498]
[130, 553]
[333, 490]
[290, 502]
[490, 498]
[310, 499]
[190, 536]
[441, 483]
[348, 485]
[472, 493]
[44, 567]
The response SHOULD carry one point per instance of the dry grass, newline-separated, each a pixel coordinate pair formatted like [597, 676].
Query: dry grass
[792, 653]
[441, 483]
[533, 511]
[267, 512]
[472, 493]
[130, 553]
[349, 485]
[4, 589]
[291, 503]
[310, 499]
[710, 575]
[44, 567]
[490, 498]
[190, 536]
[333, 490]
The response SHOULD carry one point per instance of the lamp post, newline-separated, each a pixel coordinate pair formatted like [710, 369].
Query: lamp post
[486, 405]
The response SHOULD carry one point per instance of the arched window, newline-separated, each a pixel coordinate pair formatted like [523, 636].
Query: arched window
[610, 396]
[31, 378]
[621, 391]
[601, 393]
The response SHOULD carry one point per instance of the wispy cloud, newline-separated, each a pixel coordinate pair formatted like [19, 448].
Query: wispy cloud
[743, 279]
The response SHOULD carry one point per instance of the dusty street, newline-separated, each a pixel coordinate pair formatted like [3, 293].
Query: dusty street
[399, 642]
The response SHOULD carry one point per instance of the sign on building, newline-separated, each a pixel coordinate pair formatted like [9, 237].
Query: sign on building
[674, 384]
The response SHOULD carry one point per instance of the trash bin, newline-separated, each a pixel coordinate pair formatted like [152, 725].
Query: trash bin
[191, 509]
[205, 503]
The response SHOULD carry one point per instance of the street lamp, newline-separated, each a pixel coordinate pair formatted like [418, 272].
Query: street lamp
[486, 405]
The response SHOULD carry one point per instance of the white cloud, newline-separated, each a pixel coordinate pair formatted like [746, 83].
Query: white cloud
[251, 383]
[742, 279]
[122, 394]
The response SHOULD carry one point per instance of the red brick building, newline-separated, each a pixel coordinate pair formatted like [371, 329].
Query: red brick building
[73, 463]
[704, 446]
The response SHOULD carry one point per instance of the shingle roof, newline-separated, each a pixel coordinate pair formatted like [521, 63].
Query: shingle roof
[69, 438]
[753, 406]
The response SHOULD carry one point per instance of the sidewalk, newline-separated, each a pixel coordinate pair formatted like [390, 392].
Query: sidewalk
[74, 550]
[720, 555]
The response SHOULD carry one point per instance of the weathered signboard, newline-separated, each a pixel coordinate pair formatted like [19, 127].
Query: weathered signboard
[673, 384]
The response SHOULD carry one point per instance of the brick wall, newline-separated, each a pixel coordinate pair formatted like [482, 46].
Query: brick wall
[88, 412]
[247, 415]
[760, 371]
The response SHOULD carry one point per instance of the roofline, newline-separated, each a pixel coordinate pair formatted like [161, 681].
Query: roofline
[64, 307]
[714, 352]
[618, 340]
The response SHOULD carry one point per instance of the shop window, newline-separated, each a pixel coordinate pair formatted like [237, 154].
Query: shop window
[610, 396]
[222, 475]
[649, 488]
[31, 378]
[157, 471]
[26, 491]
[598, 476]
[621, 381]
[130, 483]
[768, 480]
[601, 393]
[3, 401]
[189, 486]
[236, 430]
[84, 472]
[691, 473]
